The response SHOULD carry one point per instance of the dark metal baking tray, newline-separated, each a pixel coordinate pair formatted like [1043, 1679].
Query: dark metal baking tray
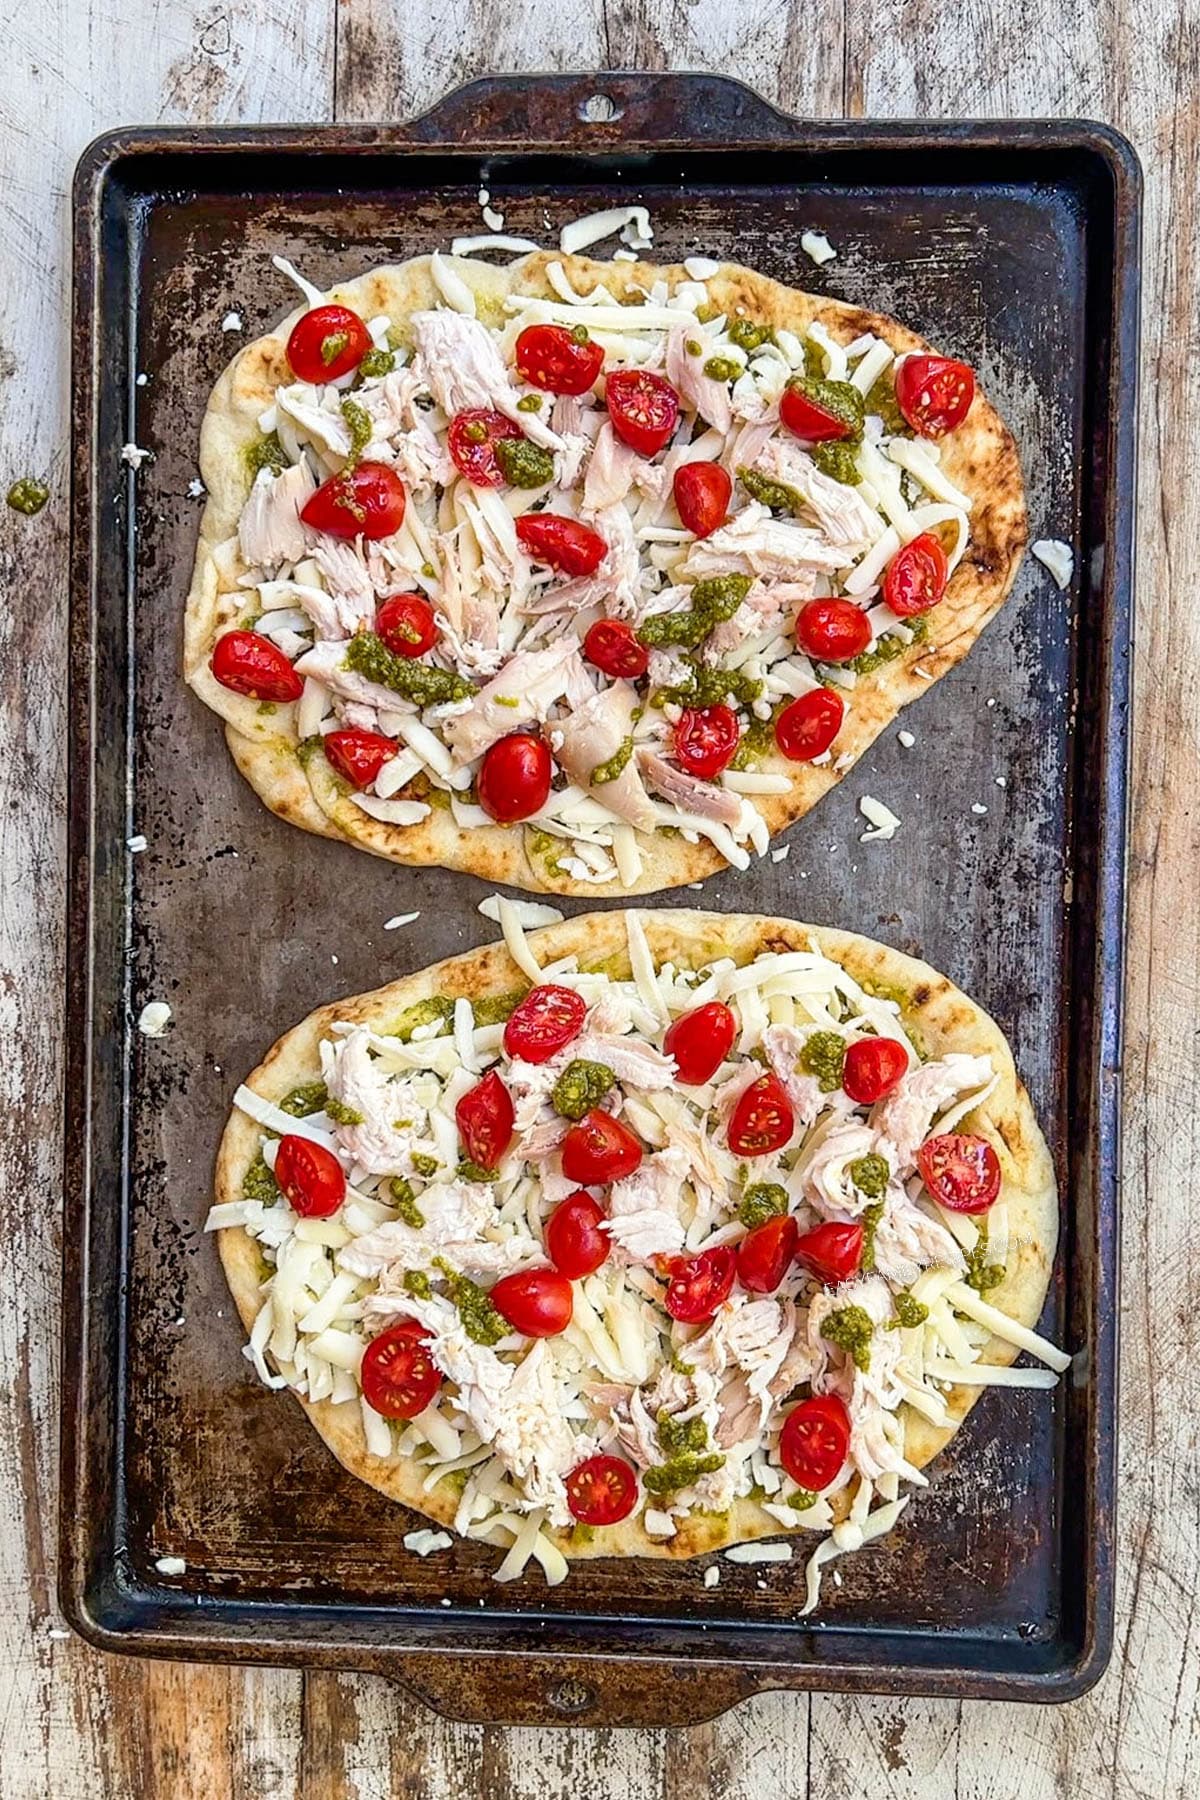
[1017, 246]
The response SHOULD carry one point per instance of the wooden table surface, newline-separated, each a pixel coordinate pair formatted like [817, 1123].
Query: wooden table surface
[73, 1723]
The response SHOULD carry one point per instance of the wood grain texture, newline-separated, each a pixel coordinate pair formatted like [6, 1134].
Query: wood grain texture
[76, 1726]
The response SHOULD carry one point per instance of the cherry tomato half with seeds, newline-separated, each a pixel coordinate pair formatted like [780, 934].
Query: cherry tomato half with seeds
[245, 662]
[327, 342]
[814, 1441]
[961, 1171]
[357, 756]
[612, 646]
[599, 1149]
[472, 441]
[406, 624]
[765, 1254]
[762, 1120]
[872, 1068]
[807, 726]
[916, 577]
[602, 1491]
[702, 494]
[399, 1377]
[534, 1301]
[934, 393]
[706, 738]
[699, 1284]
[565, 544]
[832, 630]
[831, 1251]
[700, 1041]
[809, 419]
[485, 1120]
[369, 499]
[514, 778]
[544, 1022]
[310, 1177]
[575, 1242]
[643, 407]
[558, 360]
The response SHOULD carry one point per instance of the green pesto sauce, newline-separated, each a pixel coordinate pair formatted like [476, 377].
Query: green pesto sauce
[823, 1055]
[258, 1183]
[761, 1202]
[851, 1329]
[425, 1165]
[713, 601]
[871, 1216]
[909, 1313]
[881, 401]
[359, 421]
[417, 1282]
[870, 1174]
[405, 1202]
[266, 708]
[455, 1480]
[332, 346]
[307, 748]
[617, 763]
[838, 461]
[494, 1009]
[749, 336]
[341, 1114]
[981, 1274]
[480, 1320]
[887, 648]
[28, 495]
[706, 312]
[775, 494]
[840, 398]
[815, 363]
[680, 1437]
[266, 453]
[529, 403]
[581, 1533]
[377, 363]
[680, 1472]
[524, 465]
[801, 1500]
[304, 1100]
[581, 1086]
[547, 846]
[473, 1171]
[693, 346]
[369, 656]
[677, 1363]
[709, 685]
[722, 368]
[422, 1012]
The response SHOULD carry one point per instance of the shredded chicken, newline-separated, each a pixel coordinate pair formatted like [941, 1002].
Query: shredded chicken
[269, 530]
[905, 1115]
[754, 543]
[783, 1044]
[591, 736]
[534, 679]
[697, 391]
[839, 510]
[688, 792]
[378, 1144]
[644, 1207]
[460, 362]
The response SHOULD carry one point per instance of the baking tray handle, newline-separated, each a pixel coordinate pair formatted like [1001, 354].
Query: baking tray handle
[518, 1690]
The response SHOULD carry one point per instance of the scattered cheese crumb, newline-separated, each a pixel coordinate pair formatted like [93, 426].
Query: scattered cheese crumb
[58, 1634]
[445, 1602]
[232, 322]
[1002, 781]
[782, 854]
[395, 923]
[1056, 556]
[134, 456]
[817, 246]
[882, 821]
[990, 703]
[906, 738]
[658, 1524]
[759, 1553]
[484, 197]
[923, 673]
[135, 843]
[154, 1018]
[712, 1575]
[624, 255]
[978, 808]
[467, 246]
[492, 219]
[195, 488]
[633, 223]
[171, 1565]
[425, 1542]
[700, 268]
[141, 381]
[529, 913]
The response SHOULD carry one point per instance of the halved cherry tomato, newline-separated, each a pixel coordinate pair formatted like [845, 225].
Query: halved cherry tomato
[514, 777]
[399, 1377]
[599, 1149]
[916, 577]
[699, 1284]
[575, 1243]
[706, 738]
[765, 1253]
[700, 1041]
[485, 1120]
[763, 1119]
[872, 1068]
[961, 1171]
[643, 407]
[563, 543]
[831, 1251]
[358, 755]
[612, 646]
[602, 1491]
[806, 727]
[327, 342]
[310, 1177]
[472, 441]
[369, 499]
[702, 494]
[406, 624]
[832, 630]
[934, 393]
[544, 1022]
[809, 419]
[814, 1441]
[558, 360]
[535, 1301]
[247, 663]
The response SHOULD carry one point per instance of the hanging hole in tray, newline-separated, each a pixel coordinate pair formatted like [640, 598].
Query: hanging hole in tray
[599, 109]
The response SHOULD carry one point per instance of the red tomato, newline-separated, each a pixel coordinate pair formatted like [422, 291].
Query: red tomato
[702, 493]
[544, 1022]
[806, 727]
[485, 1120]
[599, 1149]
[643, 407]
[872, 1068]
[700, 1041]
[406, 624]
[369, 499]
[612, 646]
[327, 342]
[575, 1243]
[762, 1119]
[814, 1441]
[916, 577]
[832, 630]
[809, 419]
[472, 442]
[765, 1253]
[934, 393]
[358, 755]
[558, 360]
[534, 1301]
[705, 739]
[248, 663]
[831, 1252]
[699, 1284]
[602, 1491]
[310, 1177]
[514, 777]
[563, 543]
[962, 1172]
[399, 1377]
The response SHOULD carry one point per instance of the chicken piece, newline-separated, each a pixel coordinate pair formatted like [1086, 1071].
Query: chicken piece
[609, 471]
[697, 391]
[753, 543]
[458, 359]
[533, 1440]
[783, 1044]
[504, 565]
[762, 609]
[824, 1168]
[358, 1080]
[591, 736]
[839, 510]
[634, 1063]
[324, 663]
[636, 1430]
[904, 1116]
[741, 1419]
[422, 458]
[908, 1240]
[575, 419]
[542, 1138]
[535, 679]
[269, 530]
[530, 1085]
[482, 1378]
[644, 1207]
[719, 1488]
[323, 426]
[667, 668]
[349, 579]
[744, 446]
[688, 792]
[406, 1249]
